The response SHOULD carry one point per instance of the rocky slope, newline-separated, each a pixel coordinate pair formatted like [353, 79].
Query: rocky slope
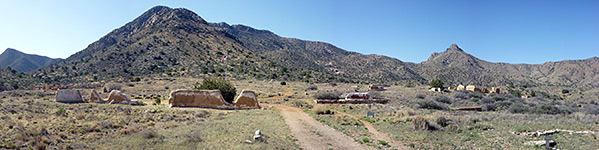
[178, 42]
[458, 67]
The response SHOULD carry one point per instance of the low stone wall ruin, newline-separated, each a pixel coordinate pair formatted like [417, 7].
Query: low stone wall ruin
[211, 99]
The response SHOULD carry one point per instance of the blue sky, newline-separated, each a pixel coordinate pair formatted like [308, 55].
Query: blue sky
[513, 31]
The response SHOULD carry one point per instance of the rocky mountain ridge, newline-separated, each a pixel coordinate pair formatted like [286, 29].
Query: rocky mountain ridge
[178, 42]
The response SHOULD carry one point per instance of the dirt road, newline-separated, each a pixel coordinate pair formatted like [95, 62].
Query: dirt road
[378, 135]
[313, 135]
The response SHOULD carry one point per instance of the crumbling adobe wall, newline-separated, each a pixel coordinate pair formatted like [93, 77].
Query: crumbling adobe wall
[68, 96]
[211, 99]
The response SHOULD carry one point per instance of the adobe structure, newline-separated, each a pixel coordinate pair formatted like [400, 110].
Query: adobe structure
[68, 96]
[212, 99]
[115, 97]
[353, 98]
[358, 96]
[473, 88]
[377, 87]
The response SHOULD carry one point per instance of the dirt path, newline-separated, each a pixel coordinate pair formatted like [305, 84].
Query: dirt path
[313, 135]
[378, 135]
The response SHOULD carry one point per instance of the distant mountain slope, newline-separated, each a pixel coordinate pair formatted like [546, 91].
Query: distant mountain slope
[458, 67]
[178, 42]
[321, 56]
[24, 62]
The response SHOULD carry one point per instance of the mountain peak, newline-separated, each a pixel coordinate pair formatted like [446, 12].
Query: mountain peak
[454, 47]
[10, 50]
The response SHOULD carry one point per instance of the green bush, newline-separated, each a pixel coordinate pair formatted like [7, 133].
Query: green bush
[157, 100]
[61, 112]
[226, 88]
[365, 140]
[382, 142]
[437, 83]
[564, 91]
[283, 83]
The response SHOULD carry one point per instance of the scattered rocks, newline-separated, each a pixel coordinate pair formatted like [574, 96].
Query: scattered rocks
[248, 141]
[550, 132]
[258, 136]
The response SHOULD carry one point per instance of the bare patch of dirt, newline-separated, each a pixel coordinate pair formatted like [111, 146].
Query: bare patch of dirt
[378, 135]
[312, 134]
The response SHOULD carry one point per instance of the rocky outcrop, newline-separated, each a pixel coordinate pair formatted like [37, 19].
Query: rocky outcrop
[69, 96]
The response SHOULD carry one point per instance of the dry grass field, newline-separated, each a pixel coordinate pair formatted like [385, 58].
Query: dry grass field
[31, 119]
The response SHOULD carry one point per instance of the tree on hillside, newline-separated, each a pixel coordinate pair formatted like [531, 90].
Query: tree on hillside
[437, 83]
[226, 88]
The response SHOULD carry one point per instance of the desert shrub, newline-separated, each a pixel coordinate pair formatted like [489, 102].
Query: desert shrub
[437, 83]
[483, 126]
[383, 142]
[564, 91]
[283, 83]
[148, 134]
[61, 112]
[516, 93]
[591, 109]
[442, 121]
[136, 79]
[202, 114]
[488, 107]
[300, 104]
[460, 95]
[346, 120]
[326, 95]
[114, 86]
[453, 128]
[443, 99]
[550, 109]
[312, 87]
[323, 111]
[518, 108]
[376, 95]
[194, 137]
[516, 100]
[428, 104]
[226, 88]
[365, 140]
[476, 95]
[487, 100]
[157, 100]
[421, 123]
[499, 97]
[420, 96]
